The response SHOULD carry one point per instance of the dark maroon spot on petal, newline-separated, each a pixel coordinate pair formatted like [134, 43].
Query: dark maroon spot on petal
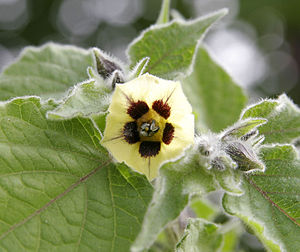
[149, 149]
[137, 109]
[162, 108]
[130, 132]
[168, 133]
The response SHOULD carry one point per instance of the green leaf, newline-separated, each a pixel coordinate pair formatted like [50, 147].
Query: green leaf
[172, 189]
[200, 235]
[58, 187]
[99, 121]
[203, 208]
[229, 179]
[230, 240]
[164, 12]
[85, 99]
[283, 116]
[215, 97]
[171, 46]
[139, 69]
[47, 71]
[242, 128]
[270, 203]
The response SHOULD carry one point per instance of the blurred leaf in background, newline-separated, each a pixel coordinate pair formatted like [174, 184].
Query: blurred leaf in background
[258, 44]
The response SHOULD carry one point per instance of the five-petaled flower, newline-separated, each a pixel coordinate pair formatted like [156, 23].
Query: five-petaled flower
[150, 122]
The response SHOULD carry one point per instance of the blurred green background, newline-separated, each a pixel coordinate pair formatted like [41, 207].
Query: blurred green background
[258, 42]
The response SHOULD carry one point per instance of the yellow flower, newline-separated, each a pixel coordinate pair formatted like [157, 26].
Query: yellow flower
[150, 122]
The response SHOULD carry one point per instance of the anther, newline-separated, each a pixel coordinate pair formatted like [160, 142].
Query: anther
[148, 129]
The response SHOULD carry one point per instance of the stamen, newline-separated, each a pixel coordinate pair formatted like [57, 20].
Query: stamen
[149, 148]
[149, 129]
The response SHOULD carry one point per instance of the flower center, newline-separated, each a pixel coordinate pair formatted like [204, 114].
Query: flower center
[150, 126]
[148, 129]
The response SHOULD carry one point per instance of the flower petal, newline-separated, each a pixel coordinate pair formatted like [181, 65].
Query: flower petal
[148, 89]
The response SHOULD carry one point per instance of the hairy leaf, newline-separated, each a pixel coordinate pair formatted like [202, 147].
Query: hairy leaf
[85, 99]
[171, 46]
[164, 12]
[200, 235]
[48, 71]
[270, 203]
[283, 117]
[203, 208]
[58, 187]
[216, 99]
[242, 129]
[228, 179]
[176, 182]
[139, 68]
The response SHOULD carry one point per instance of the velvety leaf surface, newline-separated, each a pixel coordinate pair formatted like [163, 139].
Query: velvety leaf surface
[270, 203]
[48, 71]
[242, 128]
[200, 235]
[283, 116]
[58, 187]
[164, 12]
[139, 68]
[229, 180]
[216, 99]
[85, 99]
[171, 46]
[203, 208]
[172, 189]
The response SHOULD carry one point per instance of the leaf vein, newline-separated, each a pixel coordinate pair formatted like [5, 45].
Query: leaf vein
[263, 193]
[43, 208]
